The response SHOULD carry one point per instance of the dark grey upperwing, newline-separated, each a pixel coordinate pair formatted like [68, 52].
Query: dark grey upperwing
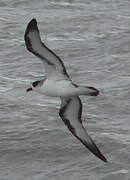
[70, 112]
[53, 64]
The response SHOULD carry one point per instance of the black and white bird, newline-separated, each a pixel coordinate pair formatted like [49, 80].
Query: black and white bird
[57, 83]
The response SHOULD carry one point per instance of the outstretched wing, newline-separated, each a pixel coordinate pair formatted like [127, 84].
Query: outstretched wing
[54, 67]
[70, 112]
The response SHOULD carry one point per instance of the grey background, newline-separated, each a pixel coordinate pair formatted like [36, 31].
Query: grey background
[93, 39]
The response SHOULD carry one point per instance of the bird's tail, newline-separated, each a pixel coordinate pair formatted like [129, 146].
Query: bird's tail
[87, 90]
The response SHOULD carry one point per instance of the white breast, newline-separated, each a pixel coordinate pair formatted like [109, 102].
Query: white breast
[60, 88]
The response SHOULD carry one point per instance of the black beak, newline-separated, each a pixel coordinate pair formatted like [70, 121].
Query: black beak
[29, 89]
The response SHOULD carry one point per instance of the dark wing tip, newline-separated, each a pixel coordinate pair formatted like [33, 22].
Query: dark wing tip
[33, 20]
[94, 149]
[32, 25]
[104, 159]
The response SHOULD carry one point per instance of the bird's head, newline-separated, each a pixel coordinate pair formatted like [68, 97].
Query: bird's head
[35, 85]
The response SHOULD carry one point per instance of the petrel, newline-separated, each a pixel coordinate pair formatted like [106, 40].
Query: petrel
[57, 83]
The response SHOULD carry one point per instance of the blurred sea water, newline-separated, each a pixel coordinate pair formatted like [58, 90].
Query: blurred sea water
[93, 40]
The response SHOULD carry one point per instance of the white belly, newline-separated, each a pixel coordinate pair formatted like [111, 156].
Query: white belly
[57, 88]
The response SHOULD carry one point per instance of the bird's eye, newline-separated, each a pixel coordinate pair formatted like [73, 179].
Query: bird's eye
[35, 83]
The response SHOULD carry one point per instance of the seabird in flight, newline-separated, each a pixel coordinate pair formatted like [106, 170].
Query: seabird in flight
[57, 83]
